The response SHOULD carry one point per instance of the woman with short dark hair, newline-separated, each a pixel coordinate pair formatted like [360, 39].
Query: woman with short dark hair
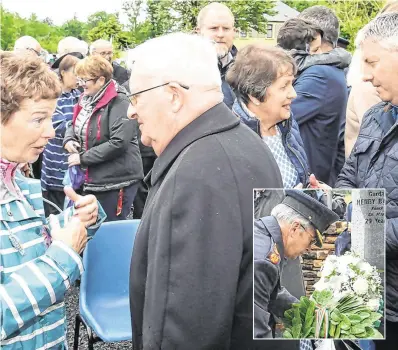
[262, 78]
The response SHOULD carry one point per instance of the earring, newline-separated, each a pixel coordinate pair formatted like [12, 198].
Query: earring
[257, 103]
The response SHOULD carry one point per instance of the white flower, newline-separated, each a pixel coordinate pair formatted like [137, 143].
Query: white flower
[335, 283]
[373, 304]
[327, 269]
[360, 286]
[365, 267]
[321, 285]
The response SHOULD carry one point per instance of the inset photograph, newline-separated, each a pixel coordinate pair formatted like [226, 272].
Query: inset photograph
[319, 264]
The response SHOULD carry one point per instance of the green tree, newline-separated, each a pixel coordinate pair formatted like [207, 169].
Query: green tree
[76, 28]
[111, 30]
[9, 31]
[172, 15]
[99, 17]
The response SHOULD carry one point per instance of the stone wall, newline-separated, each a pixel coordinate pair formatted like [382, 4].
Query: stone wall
[313, 260]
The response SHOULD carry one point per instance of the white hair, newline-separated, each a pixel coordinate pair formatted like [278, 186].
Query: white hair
[72, 44]
[285, 214]
[26, 42]
[185, 58]
[383, 29]
[99, 43]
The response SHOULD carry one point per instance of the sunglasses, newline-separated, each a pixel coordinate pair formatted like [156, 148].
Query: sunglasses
[133, 97]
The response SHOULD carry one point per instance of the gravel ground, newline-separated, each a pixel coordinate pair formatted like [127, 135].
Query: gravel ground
[72, 307]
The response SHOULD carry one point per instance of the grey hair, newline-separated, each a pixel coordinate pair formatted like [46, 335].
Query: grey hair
[285, 214]
[99, 43]
[325, 19]
[383, 29]
[255, 68]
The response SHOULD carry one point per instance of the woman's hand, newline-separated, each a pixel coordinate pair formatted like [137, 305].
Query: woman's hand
[74, 234]
[72, 146]
[74, 159]
[86, 207]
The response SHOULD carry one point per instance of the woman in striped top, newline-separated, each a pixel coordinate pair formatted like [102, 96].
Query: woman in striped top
[39, 257]
[55, 157]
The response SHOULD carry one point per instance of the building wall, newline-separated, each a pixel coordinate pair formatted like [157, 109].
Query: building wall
[269, 38]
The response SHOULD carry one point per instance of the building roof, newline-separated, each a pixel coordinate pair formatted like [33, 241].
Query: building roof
[282, 13]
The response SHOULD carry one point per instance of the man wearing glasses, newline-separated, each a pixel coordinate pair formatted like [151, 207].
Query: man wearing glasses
[293, 227]
[105, 49]
[192, 264]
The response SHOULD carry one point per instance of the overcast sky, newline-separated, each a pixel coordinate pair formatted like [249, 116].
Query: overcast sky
[62, 10]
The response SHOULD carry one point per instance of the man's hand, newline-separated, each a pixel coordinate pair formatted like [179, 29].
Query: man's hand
[86, 207]
[314, 183]
[74, 159]
[72, 146]
[74, 234]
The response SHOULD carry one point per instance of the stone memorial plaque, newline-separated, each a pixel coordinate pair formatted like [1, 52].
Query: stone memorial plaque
[368, 225]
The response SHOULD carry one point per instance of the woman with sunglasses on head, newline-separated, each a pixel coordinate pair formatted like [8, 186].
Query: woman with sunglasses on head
[55, 157]
[103, 141]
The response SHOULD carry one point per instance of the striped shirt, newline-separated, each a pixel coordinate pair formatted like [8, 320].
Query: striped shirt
[34, 278]
[55, 157]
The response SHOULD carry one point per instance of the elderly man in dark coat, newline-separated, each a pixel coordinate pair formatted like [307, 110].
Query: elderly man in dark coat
[294, 225]
[192, 264]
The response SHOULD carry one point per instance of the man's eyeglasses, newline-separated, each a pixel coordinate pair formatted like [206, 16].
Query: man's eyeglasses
[106, 53]
[133, 97]
[84, 81]
[313, 238]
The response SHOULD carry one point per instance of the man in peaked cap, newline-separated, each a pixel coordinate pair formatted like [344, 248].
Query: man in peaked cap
[294, 225]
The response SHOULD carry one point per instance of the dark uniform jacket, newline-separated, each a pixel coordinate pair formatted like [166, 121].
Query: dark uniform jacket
[191, 277]
[269, 296]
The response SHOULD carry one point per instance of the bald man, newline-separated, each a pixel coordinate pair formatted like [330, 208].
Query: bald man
[216, 22]
[104, 48]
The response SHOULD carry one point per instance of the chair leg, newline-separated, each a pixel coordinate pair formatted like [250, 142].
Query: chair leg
[90, 338]
[77, 331]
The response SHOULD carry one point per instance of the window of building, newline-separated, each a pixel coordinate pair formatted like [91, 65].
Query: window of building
[270, 31]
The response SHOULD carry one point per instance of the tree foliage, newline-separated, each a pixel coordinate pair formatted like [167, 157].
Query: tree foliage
[151, 18]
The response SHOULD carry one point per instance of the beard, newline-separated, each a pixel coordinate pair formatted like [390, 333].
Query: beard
[222, 51]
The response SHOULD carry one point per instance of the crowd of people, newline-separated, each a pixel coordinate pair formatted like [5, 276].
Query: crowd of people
[180, 142]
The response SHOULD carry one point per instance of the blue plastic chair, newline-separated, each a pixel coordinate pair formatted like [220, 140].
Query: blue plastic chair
[104, 289]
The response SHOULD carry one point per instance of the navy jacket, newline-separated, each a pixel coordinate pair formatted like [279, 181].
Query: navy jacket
[229, 95]
[319, 109]
[290, 136]
[373, 163]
